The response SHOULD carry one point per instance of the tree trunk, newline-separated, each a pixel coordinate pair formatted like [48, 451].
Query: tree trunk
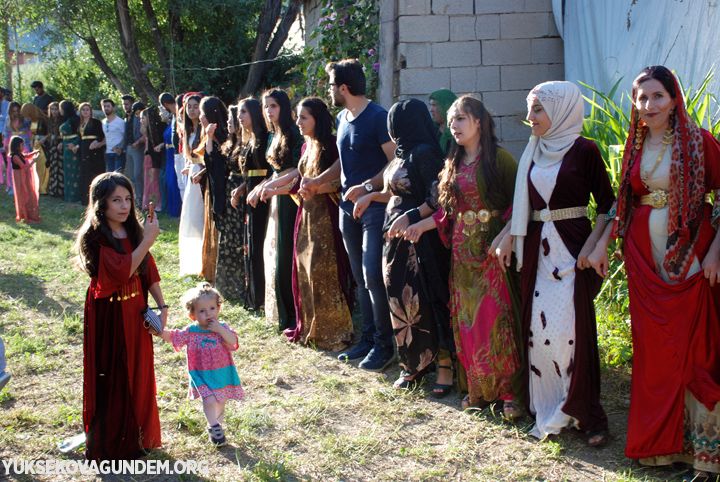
[157, 40]
[7, 54]
[128, 42]
[261, 51]
[103, 65]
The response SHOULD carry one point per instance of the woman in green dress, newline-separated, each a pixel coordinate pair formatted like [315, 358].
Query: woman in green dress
[71, 161]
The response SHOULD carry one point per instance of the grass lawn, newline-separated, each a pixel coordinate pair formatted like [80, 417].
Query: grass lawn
[305, 416]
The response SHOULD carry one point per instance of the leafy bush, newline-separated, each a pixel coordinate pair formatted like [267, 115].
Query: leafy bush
[346, 29]
[607, 125]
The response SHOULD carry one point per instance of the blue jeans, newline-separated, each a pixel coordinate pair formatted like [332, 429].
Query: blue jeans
[363, 240]
[113, 162]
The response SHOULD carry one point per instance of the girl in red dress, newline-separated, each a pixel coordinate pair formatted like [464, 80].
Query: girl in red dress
[120, 413]
[25, 181]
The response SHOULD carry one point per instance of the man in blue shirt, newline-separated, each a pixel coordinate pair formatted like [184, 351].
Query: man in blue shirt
[365, 149]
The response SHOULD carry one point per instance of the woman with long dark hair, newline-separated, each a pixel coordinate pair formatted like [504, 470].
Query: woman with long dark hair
[255, 170]
[120, 414]
[213, 121]
[672, 261]
[192, 217]
[475, 194]
[92, 157]
[323, 285]
[70, 140]
[283, 154]
[553, 237]
[56, 183]
[152, 129]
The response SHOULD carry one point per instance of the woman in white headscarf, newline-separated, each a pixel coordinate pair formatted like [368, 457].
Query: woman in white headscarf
[553, 237]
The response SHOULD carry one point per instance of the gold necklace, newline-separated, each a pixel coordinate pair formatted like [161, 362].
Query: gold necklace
[644, 175]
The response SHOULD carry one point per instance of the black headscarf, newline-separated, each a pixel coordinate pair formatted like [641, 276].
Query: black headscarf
[67, 112]
[410, 125]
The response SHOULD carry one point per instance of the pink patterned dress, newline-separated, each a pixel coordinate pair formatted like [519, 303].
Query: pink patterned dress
[210, 364]
[480, 305]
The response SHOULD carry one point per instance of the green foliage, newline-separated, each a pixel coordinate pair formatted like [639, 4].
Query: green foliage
[346, 29]
[608, 125]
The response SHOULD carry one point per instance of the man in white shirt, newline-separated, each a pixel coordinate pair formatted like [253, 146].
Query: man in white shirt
[114, 129]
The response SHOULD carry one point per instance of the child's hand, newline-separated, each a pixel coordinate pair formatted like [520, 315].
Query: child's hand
[215, 326]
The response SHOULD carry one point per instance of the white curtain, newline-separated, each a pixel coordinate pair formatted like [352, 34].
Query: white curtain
[611, 39]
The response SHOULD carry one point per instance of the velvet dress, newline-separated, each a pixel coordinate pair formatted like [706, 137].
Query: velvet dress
[92, 161]
[225, 175]
[55, 162]
[255, 170]
[279, 243]
[71, 162]
[559, 325]
[173, 191]
[322, 281]
[120, 413]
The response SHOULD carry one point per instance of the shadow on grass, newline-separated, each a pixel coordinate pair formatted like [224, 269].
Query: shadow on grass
[31, 292]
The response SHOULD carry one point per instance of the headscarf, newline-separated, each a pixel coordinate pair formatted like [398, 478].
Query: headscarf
[563, 103]
[33, 112]
[410, 125]
[67, 112]
[443, 99]
[687, 187]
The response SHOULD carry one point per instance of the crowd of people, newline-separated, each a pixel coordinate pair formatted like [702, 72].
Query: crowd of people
[462, 259]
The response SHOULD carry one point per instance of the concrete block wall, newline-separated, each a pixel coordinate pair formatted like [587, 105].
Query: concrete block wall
[495, 49]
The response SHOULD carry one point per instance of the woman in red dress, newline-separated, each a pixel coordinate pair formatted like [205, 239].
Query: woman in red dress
[120, 413]
[671, 260]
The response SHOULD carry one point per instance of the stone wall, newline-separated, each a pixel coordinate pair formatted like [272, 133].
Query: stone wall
[495, 49]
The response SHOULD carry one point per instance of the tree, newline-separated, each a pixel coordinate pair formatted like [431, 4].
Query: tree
[261, 50]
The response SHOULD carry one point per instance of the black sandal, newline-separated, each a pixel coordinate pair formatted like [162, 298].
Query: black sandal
[444, 390]
[403, 384]
[600, 442]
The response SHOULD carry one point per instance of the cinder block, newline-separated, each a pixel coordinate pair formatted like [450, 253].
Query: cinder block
[487, 27]
[538, 6]
[415, 55]
[488, 79]
[415, 7]
[499, 6]
[557, 72]
[524, 25]
[548, 50]
[456, 54]
[433, 28]
[553, 31]
[505, 103]
[516, 148]
[423, 81]
[451, 7]
[514, 129]
[462, 28]
[463, 80]
[518, 77]
[506, 52]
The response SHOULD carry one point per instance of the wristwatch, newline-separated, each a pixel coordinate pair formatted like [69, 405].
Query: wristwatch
[368, 186]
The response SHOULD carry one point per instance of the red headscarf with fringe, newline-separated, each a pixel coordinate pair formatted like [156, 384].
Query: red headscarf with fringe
[687, 187]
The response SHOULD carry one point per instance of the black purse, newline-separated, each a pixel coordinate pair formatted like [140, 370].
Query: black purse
[152, 320]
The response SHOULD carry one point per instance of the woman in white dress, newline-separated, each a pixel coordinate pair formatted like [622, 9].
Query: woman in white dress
[192, 218]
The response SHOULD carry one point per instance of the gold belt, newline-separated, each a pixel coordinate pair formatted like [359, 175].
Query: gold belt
[658, 199]
[169, 146]
[546, 215]
[89, 137]
[70, 137]
[469, 218]
[255, 173]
